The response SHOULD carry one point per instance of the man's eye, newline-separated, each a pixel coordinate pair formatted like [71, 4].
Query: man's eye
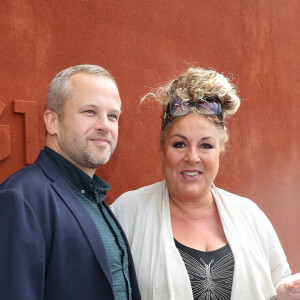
[113, 117]
[179, 145]
[89, 112]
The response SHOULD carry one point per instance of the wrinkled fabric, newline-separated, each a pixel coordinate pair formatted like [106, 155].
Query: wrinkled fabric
[260, 262]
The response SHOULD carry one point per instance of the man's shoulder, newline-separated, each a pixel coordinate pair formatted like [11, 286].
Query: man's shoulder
[33, 182]
[42, 170]
[27, 175]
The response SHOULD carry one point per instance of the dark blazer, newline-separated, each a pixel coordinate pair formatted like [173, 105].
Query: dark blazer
[50, 247]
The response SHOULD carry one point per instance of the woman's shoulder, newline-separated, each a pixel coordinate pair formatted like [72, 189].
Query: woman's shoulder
[240, 207]
[239, 204]
[234, 199]
[138, 197]
[148, 189]
[138, 208]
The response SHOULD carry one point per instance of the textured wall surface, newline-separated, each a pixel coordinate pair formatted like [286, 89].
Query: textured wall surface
[145, 43]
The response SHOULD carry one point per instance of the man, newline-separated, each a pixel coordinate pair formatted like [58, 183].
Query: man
[58, 238]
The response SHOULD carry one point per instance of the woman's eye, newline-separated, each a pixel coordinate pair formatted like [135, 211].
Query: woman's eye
[206, 146]
[179, 145]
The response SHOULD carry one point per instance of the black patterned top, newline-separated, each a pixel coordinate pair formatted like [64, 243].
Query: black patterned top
[210, 273]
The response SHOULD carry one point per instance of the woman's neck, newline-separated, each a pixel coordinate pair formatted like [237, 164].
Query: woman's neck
[193, 209]
[197, 224]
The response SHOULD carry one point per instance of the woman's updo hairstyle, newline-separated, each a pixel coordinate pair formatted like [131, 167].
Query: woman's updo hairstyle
[197, 83]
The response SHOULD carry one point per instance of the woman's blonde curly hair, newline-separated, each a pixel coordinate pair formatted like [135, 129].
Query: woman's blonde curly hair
[198, 83]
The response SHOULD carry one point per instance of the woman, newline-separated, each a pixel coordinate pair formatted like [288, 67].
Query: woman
[190, 239]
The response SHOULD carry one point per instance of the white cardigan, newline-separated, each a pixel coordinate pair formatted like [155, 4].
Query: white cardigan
[260, 263]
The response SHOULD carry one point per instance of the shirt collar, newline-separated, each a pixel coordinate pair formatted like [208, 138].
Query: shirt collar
[75, 176]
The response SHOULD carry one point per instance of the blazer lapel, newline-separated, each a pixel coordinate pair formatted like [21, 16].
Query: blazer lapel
[78, 210]
[87, 224]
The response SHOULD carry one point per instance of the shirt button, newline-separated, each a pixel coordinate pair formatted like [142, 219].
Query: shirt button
[82, 191]
[91, 185]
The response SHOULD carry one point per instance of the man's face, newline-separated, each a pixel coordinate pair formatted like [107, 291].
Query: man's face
[87, 131]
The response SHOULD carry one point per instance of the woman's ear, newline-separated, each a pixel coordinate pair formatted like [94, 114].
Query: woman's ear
[51, 121]
[161, 156]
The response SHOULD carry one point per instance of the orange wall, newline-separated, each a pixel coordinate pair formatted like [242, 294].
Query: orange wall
[142, 43]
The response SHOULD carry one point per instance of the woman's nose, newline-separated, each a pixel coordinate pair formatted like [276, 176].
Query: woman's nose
[192, 156]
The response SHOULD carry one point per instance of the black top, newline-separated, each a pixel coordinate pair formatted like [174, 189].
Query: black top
[210, 273]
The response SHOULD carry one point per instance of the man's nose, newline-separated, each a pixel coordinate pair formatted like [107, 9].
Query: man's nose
[103, 123]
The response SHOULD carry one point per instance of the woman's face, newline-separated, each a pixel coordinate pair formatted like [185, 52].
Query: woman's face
[190, 157]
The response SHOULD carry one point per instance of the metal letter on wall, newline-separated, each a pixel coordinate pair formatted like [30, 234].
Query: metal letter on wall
[30, 111]
[5, 150]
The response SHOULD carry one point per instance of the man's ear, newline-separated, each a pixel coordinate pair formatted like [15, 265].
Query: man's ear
[51, 121]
